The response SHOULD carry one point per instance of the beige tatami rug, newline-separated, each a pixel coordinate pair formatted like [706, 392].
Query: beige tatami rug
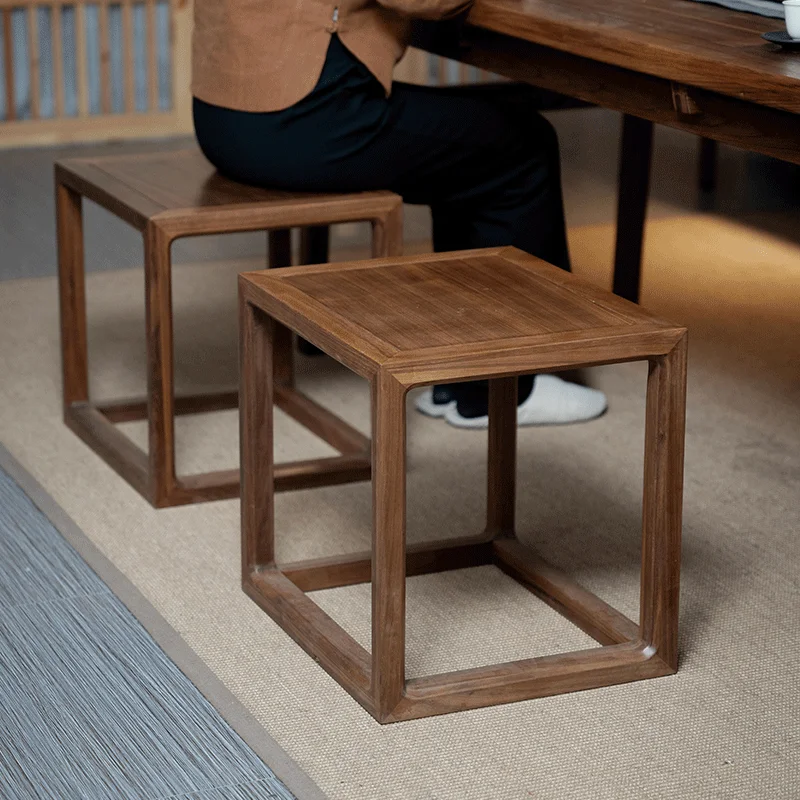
[726, 726]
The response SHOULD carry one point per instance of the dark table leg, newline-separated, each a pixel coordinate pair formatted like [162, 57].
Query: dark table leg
[634, 184]
[707, 169]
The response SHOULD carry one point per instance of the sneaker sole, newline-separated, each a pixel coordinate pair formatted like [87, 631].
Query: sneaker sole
[546, 408]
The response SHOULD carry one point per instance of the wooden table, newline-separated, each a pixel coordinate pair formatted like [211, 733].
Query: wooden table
[696, 67]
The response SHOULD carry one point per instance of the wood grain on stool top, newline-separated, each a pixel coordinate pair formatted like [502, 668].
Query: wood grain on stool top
[188, 196]
[433, 309]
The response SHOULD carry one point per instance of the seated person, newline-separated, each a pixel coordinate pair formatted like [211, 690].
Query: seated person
[298, 95]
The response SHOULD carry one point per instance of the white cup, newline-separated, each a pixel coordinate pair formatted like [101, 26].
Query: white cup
[792, 9]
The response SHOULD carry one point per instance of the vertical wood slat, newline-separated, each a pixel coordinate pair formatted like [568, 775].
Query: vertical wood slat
[152, 55]
[8, 66]
[37, 52]
[80, 59]
[129, 89]
[180, 62]
[172, 40]
[33, 59]
[58, 58]
[441, 71]
[105, 57]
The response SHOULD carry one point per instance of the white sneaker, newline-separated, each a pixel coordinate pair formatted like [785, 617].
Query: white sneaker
[553, 401]
[434, 404]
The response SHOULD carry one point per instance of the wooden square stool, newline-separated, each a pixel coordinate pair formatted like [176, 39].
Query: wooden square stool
[166, 196]
[482, 314]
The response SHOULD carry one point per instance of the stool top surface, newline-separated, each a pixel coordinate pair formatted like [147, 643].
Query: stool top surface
[452, 307]
[144, 185]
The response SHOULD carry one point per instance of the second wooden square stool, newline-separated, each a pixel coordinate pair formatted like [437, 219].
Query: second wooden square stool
[414, 321]
[169, 195]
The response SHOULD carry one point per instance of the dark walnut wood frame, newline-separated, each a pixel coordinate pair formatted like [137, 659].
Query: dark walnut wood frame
[377, 680]
[153, 474]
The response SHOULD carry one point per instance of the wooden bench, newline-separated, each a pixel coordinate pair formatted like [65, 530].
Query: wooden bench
[166, 196]
[414, 321]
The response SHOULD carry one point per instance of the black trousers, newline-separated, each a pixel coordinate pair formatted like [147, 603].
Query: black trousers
[482, 157]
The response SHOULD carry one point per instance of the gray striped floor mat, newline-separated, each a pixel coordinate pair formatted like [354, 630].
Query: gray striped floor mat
[90, 706]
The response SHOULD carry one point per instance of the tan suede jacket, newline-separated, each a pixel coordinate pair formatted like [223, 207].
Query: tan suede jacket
[265, 55]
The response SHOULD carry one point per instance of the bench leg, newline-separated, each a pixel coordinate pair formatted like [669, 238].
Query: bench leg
[280, 255]
[315, 244]
[388, 544]
[314, 249]
[79, 415]
[387, 233]
[279, 248]
[72, 296]
[256, 375]
[160, 376]
[663, 504]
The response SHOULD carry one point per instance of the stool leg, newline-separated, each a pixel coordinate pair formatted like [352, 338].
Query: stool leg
[388, 543]
[256, 332]
[314, 249]
[315, 244]
[160, 378]
[387, 233]
[279, 248]
[663, 502]
[280, 255]
[72, 296]
[502, 459]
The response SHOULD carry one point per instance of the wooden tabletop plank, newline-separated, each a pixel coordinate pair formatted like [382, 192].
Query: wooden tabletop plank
[690, 43]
